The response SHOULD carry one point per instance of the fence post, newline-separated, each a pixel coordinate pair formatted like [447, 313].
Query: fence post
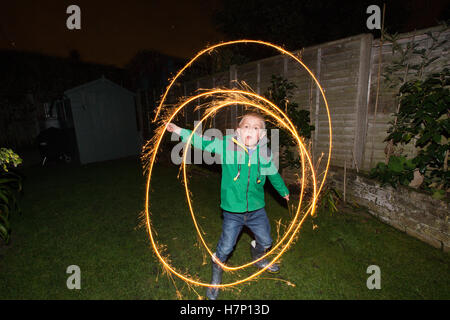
[316, 112]
[362, 100]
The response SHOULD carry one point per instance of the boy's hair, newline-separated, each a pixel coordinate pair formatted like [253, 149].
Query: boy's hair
[255, 115]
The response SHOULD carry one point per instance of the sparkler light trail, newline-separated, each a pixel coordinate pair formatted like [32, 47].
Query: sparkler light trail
[223, 98]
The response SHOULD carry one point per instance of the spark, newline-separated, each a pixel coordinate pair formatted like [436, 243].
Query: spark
[278, 279]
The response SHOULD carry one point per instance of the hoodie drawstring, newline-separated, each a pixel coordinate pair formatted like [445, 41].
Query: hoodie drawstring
[259, 171]
[258, 180]
[239, 169]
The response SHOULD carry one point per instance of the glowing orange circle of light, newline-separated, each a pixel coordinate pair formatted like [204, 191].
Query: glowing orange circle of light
[249, 277]
[301, 147]
[302, 152]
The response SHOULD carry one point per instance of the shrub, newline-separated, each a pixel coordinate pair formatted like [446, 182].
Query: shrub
[10, 188]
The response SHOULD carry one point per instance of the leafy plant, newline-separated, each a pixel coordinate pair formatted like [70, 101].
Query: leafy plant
[7, 157]
[10, 188]
[409, 60]
[329, 199]
[423, 117]
[280, 93]
[399, 170]
[410, 63]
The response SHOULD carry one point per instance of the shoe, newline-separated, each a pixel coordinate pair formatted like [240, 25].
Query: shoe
[213, 292]
[258, 251]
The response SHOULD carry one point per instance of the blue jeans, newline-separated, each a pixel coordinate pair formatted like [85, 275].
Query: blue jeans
[233, 223]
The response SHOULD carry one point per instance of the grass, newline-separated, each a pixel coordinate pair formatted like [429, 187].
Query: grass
[89, 216]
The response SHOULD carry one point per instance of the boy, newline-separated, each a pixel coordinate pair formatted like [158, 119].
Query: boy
[242, 189]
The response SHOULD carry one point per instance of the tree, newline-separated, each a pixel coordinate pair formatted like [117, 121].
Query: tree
[149, 69]
[297, 24]
[74, 55]
[280, 93]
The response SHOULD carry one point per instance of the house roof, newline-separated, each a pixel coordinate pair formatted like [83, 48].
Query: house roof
[102, 79]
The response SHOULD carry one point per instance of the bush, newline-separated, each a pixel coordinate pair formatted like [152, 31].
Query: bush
[399, 170]
[10, 188]
[280, 93]
[423, 118]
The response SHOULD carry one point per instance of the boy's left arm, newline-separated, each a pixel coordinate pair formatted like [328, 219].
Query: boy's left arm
[279, 185]
[276, 179]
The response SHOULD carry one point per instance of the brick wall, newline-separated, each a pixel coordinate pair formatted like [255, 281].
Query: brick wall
[406, 209]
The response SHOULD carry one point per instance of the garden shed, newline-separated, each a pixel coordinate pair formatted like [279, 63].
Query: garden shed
[103, 118]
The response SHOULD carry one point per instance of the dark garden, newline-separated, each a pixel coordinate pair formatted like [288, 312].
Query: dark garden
[259, 153]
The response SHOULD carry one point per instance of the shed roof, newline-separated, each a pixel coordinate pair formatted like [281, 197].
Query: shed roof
[102, 79]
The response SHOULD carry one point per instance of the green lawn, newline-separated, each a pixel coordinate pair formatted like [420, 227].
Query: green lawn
[89, 216]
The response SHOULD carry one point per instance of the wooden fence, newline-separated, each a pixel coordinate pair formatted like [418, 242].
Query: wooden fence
[348, 71]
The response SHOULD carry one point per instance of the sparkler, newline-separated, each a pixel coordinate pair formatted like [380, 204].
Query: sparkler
[226, 98]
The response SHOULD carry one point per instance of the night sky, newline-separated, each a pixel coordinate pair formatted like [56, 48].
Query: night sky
[111, 32]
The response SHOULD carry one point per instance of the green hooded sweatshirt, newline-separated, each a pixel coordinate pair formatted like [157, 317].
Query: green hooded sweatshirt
[243, 174]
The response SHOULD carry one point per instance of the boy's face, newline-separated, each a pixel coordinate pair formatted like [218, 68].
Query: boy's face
[250, 131]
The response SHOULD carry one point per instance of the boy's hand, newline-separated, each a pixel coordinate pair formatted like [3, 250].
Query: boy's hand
[286, 197]
[172, 127]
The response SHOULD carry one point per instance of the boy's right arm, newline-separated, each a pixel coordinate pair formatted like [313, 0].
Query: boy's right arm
[203, 143]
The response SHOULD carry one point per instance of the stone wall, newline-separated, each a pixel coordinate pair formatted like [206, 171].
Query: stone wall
[409, 210]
